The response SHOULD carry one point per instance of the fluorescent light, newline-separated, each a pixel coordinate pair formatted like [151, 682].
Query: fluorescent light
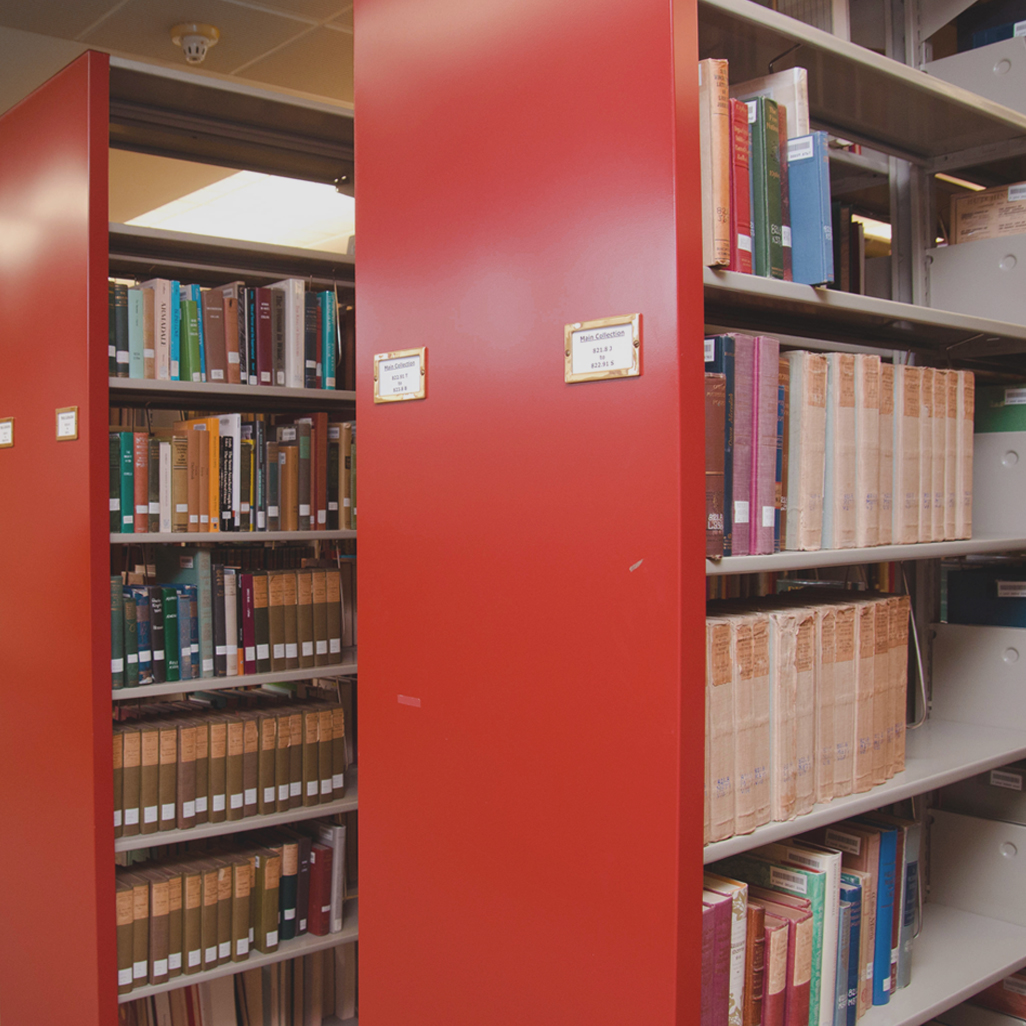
[261, 208]
[874, 229]
[960, 181]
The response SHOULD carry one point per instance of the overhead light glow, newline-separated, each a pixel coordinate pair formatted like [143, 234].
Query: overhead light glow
[873, 229]
[960, 182]
[255, 207]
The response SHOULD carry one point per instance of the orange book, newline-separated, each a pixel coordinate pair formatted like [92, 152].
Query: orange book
[212, 493]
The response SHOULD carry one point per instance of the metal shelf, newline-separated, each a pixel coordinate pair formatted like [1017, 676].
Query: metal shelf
[238, 826]
[856, 93]
[225, 537]
[779, 561]
[305, 945]
[177, 395]
[749, 302]
[937, 753]
[343, 669]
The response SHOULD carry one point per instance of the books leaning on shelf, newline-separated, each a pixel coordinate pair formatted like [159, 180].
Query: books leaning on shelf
[833, 451]
[280, 335]
[308, 990]
[192, 911]
[205, 619]
[179, 765]
[815, 930]
[234, 472]
[805, 702]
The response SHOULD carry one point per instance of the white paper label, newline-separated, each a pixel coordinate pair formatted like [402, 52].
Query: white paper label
[260, 520]
[292, 650]
[295, 788]
[127, 519]
[131, 817]
[1017, 193]
[149, 354]
[251, 795]
[160, 967]
[283, 792]
[788, 881]
[753, 111]
[233, 357]
[769, 516]
[850, 843]
[744, 243]
[111, 351]
[332, 507]
[167, 810]
[272, 511]
[272, 938]
[242, 946]
[216, 375]
[785, 235]
[144, 656]
[403, 375]
[224, 949]
[322, 648]
[221, 650]
[326, 786]
[117, 665]
[335, 646]
[244, 507]
[122, 357]
[281, 377]
[269, 794]
[290, 913]
[117, 817]
[279, 651]
[208, 664]
[250, 654]
[1011, 589]
[154, 507]
[307, 648]
[800, 149]
[132, 658]
[189, 809]
[265, 377]
[201, 804]
[263, 651]
[142, 510]
[740, 512]
[181, 507]
[210, 954]
[124, 977]
[1002, 778]
[1019, 29]
[139, 969]
[150, 814]
[338, 781]
[174, 961]
[710, 350]
[311, 788]
[602, 349]
[235, 800]
[1015, 397]
[304, 510]
[115, 504]
[886, 984]
[194, 958]
[217, 803]
[158, 655]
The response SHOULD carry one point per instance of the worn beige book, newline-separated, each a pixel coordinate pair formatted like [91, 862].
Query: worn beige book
[939, 420]
[839, 466]
[885, 525]
[906, 497]
[826, 704]
[805, 709]
[925, 528]
[867, 450]
[806, 442]
[899, 673]
[964, 460]
[714, 136]
[883, 701]
[844, 669]
[783, 637]
[865, 694]
[951, 456]
[751, 722]
[719, 698]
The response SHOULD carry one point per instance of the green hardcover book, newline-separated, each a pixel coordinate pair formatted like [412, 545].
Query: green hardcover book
[117, 632]
[114, 445]
[126, 463]
[172, 657]
[767, 241]
[1000, 409]
[189, 565]
[190, 368]
[131, 639]
[121, 329]
[803, 883]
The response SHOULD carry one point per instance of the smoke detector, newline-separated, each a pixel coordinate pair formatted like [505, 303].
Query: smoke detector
[195, 39]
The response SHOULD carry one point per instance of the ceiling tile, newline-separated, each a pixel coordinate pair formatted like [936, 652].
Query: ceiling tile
[320, 62]
[54, 17]
[143, 27]
[321, 10]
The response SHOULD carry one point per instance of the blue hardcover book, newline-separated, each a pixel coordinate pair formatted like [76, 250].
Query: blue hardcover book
[196, 293]
[190, 567]
[851, 892]
[993, 596]
[993, 35]
[885, 889]
[812, 246]
[176, 331]
[719, 359]
[143, 633]
[329, 330]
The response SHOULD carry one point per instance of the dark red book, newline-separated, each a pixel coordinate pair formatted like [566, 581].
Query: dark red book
[798, 911]
[708, 947]
[722, 906]
[776, 958]
[248, 650]
[319, 909]
[264, 338]
[740, 196]
[755, 965]
[319, 471]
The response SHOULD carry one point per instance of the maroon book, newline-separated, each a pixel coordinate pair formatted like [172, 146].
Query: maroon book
[708, 947]
[766, 383]
[740, 195]
[798, 911]
[248, 651]
[319, 910]
[264, 346]
[778, 955]
[722, 906]
[715, 415]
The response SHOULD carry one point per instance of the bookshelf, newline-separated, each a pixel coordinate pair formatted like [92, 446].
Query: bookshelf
[226, 537]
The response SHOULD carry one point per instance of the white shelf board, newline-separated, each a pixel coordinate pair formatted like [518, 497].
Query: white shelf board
[973, 1015]
[236, 826]
[225, 537]
[937, 753]
[956, 955]
[217, 395]
[178, 687]
[778, 561]
[305, 945]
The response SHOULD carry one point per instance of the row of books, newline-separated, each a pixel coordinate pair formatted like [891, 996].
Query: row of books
[206, 619]
[805, 702]
[178, 765]
[816, 930]
[832, 451]
[193, 912]
[234, 472]
[307, 990]
[282, 335]
[766, 203]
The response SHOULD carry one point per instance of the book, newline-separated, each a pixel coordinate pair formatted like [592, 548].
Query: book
[790, 90]
[722, 912]
[738, 894]
[765, 400]
[293, 292]
[775, 969]
[785, 194]
[926, 463]
[763, 124]
[839, 505]
[755, 980]
[740, 190]
[215, 335]
[720, 662]
[867, 450]
[808, 170]
[743, 454]
[719, 359]
[136, 317]
[807, 450]
[714, 133]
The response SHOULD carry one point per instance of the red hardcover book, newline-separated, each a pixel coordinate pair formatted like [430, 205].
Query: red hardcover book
[264, 348]
[248, 652]
[742, 457]
[766, 382]
[708, 948]
[740, 196]
[722, 906]
[775, 960]
[798, 911]
[141, 481]
[319, 910]
[755, 966]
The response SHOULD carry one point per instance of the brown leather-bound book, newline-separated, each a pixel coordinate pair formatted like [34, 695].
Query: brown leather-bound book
[131, 780]
[167, 776]
[338, 752]
[119, 782]
[320, 617]
[175, 922]
[208, 911]
[267, 792]
[261, 621]
[179, 483]
[141, 481]
[288, 486]
[776, 930]
[224, 910]
[755, 945]
[290, 600]
[345, 496]
[325, 754]
[202, 727]
[140, 927]
[216, 789]
[305, 617]
[185, 796]
[295, 760]
[264, 901]
[194, 442]
[311, 757]
[233, 767]
[205, 485]
[159, 924]
[333, 610]
[715, 416]
[149, 793]
[283, 731]
[319, 905]
[214, 335]
[242, 879]
[234, 328]
[250, 762]
[276, 618]
[125, 912]
[192, 918]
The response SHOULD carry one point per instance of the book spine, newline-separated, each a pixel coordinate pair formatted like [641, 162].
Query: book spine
[217, 788]
[926, 398]
[755, 965]
[214, 335]
[783, 397]
[131, 640]
[127, 497]
[264, 337]
[743, 454]
[312, 367]
[740, 190]
[117, 632]
[785, 196]
[840, 468]
[714, 132]
[175, 323]
[884, 915]
[715, 411]
[329, 332]
[136, 360]
[766, 377]
[112, 345]
[203, 772]
[217, 611]
[121, 330]
[279, 327]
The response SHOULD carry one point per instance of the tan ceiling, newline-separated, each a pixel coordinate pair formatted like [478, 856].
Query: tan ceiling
[302, 45]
